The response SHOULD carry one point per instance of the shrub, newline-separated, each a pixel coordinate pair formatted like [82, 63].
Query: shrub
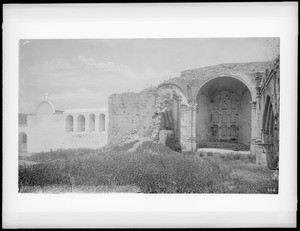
[247, 158]
[41, 175]
[210, 154]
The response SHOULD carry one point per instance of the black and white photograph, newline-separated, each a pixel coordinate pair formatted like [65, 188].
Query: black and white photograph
[149, 115]
[179, 115]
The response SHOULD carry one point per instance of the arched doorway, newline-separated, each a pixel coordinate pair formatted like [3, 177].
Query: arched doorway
[92, 122]
[22, 142]
[223, 116]
[179, 112]
[270, 135]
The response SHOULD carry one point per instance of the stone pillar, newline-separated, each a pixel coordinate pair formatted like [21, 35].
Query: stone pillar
[188, 128]
[259, 122]
[106, 122]
[260, 152]
[256, 146]
[75, 117]
[185, 128]
[192, 136]
[258, 79]
[87, 122]
[253, 123]
[179, 119]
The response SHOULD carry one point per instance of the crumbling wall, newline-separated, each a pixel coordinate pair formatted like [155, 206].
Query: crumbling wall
[137, 115]
[132, 115]
[168, 106]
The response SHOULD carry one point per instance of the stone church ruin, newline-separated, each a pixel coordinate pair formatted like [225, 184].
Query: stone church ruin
[228, 106]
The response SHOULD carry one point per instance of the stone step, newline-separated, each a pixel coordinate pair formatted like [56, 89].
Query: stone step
[227, 145]
[221, 151]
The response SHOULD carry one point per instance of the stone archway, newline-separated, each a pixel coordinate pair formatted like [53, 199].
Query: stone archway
[270, 138]
[223, 114]
[179, 110]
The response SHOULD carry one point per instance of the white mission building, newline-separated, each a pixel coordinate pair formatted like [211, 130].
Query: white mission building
[50, 129]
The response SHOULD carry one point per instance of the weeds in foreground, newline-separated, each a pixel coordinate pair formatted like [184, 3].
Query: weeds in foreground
[153, 168]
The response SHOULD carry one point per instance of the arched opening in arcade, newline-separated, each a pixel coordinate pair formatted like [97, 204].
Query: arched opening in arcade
[101, 122]
[92, 122]
[69, 123]
[81, 123]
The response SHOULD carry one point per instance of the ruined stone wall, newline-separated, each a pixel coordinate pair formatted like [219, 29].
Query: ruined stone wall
[183, 111]
[132, 115]
[151, 113]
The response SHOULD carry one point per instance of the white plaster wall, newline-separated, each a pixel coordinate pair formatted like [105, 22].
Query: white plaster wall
[23, 128]
[245, 119]
[86, 139]
[45, 132]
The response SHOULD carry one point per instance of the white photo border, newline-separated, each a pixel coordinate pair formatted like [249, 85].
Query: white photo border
[193, 20]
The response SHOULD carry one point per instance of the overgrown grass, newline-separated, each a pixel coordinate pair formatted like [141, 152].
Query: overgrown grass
[153, 168]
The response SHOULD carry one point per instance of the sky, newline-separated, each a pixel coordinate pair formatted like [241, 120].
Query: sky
[83, 73]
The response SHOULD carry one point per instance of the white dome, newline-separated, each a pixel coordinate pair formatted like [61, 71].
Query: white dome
[45, 107]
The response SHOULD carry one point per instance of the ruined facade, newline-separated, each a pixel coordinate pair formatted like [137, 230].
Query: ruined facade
[50, 129]
[225, 106]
